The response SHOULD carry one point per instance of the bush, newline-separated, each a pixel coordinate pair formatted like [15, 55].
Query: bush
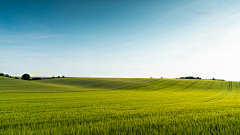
[26, 76]
[16, 77]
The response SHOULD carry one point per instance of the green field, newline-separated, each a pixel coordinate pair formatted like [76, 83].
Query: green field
[119, 106]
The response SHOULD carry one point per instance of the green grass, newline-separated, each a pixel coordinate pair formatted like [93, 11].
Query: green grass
[164, 106]
[67, 84]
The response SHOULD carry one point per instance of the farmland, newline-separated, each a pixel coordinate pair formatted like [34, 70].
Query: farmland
[119, 106]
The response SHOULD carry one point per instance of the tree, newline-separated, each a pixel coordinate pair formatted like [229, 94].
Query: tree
[25, 76]
[1, 74]
[7, 75]
[213, 78]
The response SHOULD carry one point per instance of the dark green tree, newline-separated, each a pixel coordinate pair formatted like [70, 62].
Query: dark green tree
[25, 76]
[1, 74]
[7, 75]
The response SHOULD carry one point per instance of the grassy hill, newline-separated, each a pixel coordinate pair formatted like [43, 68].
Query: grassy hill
[164, 106]
[67, 84]
[96, 83]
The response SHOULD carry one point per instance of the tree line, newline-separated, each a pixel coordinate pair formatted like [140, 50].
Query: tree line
[26, 76]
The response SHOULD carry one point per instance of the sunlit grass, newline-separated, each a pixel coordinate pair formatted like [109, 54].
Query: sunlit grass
[166, 106]
[71, 84]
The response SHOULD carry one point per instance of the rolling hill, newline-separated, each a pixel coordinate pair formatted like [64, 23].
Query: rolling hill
[119, 106]
[68, 84]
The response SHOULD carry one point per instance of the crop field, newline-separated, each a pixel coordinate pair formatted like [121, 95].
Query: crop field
[67, 84]
[119, 106]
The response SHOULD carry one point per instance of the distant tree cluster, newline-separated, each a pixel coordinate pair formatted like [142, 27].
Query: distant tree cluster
[58, 76]
[36, 78]
[26, 76]
[5, 75]
[189, 77]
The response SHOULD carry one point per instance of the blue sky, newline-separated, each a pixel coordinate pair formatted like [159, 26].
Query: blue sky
[167, 38]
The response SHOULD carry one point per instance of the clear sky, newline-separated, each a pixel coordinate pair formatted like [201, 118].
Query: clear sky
[125, 38]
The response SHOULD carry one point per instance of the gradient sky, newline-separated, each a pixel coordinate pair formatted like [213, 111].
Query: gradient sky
[127, 38]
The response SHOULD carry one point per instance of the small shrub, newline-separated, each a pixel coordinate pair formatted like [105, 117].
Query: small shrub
[16, 77]
[36, 78]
